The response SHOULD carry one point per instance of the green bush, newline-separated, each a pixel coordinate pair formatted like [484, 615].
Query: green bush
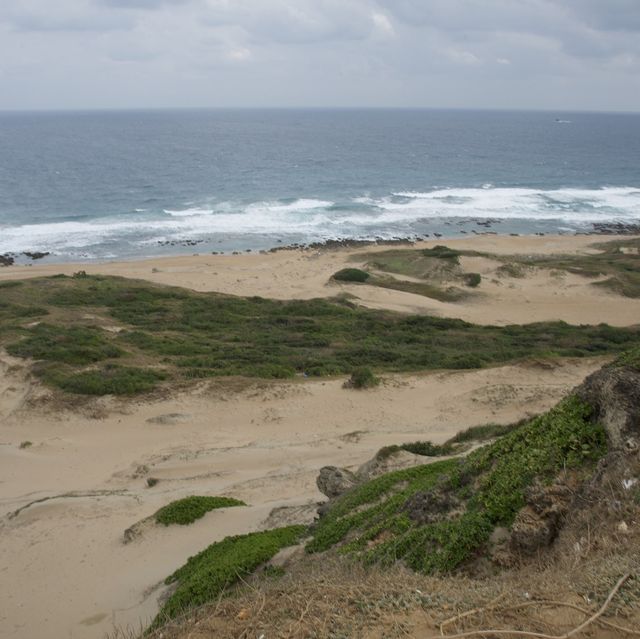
[189, 509]
[362, 377]
[351, 275]
[472, 279]
[443, 253]
[428, 448]
[209, 573]
[74, 345]
[109, 380]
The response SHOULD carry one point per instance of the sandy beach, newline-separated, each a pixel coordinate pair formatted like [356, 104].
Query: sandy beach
[67, 499]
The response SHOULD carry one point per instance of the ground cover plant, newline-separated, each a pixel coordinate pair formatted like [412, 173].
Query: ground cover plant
[108, 335]
[189, 509]
[431, 266]
[209, 573]
[618, 261]
[396, 516]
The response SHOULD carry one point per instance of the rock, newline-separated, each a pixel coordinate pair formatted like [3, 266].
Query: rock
[614, 393]
[538, 523]
[333, 481]
[169, 419]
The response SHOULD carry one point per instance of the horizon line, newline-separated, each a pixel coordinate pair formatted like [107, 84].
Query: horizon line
[311, 108]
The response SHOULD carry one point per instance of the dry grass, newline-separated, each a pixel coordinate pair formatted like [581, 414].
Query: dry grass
[335, 599]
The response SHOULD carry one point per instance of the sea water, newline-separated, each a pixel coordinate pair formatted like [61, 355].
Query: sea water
[125, 184]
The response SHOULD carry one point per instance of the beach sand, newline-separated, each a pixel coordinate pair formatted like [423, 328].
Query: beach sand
[64, 568]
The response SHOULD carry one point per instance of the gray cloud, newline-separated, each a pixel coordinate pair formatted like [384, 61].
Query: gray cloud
[473, 53]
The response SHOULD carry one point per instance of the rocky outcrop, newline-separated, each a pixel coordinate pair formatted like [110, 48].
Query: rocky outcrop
[538, 523]
[614, 393]
[333, 481]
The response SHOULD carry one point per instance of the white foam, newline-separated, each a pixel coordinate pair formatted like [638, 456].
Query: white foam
[391, 215]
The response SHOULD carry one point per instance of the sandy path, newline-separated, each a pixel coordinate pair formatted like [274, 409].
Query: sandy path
[64, 570]
[540, 296]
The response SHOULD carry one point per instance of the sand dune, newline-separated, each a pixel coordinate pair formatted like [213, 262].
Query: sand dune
[65, 570]
[542, 295]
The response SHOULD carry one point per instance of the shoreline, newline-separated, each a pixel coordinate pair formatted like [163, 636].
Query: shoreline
[599, 229]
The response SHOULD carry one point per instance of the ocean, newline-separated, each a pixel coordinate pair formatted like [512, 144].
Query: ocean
[128, 184]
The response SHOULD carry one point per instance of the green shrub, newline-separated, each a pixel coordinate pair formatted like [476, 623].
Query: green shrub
[209, 573]
[109, 380]
[351, 275]
[362, 377]
[472, 279]
[428, 448]
[189, 509]
[443, 253]
[73, 345]
[10, 284]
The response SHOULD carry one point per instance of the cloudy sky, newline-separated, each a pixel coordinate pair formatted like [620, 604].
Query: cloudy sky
[553, 54]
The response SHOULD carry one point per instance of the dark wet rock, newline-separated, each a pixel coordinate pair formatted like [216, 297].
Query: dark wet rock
[7, 259]
[36, 255]
[615, 228]
[333, 481]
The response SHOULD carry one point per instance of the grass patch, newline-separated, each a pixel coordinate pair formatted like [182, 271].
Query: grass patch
[619, 260]
[426, 289]
[68, 345]
[175, 334]
[472, 279]
[630, 358]
[10, 284]
[443, 253]
[206, 575]
[189, 509]
[361, 378]
[351, 275]
[482, 433]
[396, 516]
[108, 380]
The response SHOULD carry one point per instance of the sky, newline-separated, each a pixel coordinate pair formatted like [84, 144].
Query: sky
[522, 54]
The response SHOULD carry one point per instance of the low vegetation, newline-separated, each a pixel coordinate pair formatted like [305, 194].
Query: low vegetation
[208, 574]
[351, 275]
[189, 509]
[618, 261]
[433, 272]
[399, 515]
[362, 377]
[109, 335]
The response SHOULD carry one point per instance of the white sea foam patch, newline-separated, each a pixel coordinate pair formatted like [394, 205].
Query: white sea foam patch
[401, 213]
[571, 205]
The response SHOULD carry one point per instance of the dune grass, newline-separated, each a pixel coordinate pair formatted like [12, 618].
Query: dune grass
[174, 334]
[618, 261]
[189, 509]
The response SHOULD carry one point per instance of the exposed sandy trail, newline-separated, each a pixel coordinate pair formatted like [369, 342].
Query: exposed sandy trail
[64, 570]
